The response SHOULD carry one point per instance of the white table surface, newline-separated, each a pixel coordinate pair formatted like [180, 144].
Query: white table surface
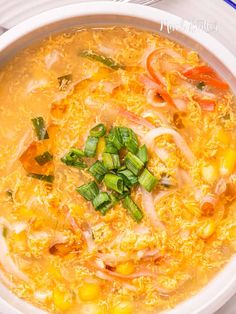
[215, 15]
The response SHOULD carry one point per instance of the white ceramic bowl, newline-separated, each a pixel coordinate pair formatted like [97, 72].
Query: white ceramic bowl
[223, 286]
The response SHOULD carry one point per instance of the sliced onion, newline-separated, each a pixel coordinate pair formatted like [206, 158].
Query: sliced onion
[162, 153]
[35, 84]
[89, 240]
[6, 261]
[179, 141]
[150, 210]
[134, 118]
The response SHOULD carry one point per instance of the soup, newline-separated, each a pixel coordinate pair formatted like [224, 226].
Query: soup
[117, 162]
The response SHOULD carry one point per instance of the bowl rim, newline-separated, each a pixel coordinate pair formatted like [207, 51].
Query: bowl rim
[214, 294]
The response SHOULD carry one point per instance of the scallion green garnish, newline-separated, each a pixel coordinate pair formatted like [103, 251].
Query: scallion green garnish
[73, 158]
[98, 131]
[98, 170]
[43, 177]
[110, 148]
[10, 194]
[101, 202]
[201, 85]
[40, 128]
[111, 161]
[44, 158]
[91, 146]
[64, 81]
[133, 163]
[128, 177]
[100, 58]
[115, 138]
[147, 180]
[129, 139]
[114, 182]
[142, 154]
[4, 231]
[89, 191]
[133, 210]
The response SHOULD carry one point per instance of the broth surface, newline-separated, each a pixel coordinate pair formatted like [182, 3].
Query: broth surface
[60, 254]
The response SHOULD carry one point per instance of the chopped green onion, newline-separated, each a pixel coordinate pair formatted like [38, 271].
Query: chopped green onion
[73, 158]
[111, 161]
[43, 177]
[133, 210]
[114, 182]
[91, 146]
[110, 148]
[101, 202]
[40, 128]
[98, 131]
[4, 231]
[133, 163]
[88, 191]
[115, 138]
[44, 158]
[10, 194]
[142, 154]
[100, 58]
[98, 170]
[129, 139]
[64, 81]
[147, 180]
[201, 85]
[128, 177]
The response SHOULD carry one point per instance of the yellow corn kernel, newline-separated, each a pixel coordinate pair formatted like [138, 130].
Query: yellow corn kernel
[207, 229]
[101, 146]
[62, 300]
[223, 137]
[210, 173]
[123, 308]
[125, 268]
[89, 291]
[228, 162]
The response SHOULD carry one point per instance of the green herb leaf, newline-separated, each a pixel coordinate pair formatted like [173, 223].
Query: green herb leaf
[147, 180]
[98, 131]
[100, 58]
[129, 178]
[114, 182]
[111, 161]
[91, 146]
[101, 202]
[129, 139]
[143, 154]
[98, 170]
[133, 210]
[42, 177]
[133, 163]
[73, 158]
[44, 158]
[88, 191]
[40, 128]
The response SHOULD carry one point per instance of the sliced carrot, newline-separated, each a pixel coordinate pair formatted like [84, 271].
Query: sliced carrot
[151, 70]
[207, 104]
[207, 75]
